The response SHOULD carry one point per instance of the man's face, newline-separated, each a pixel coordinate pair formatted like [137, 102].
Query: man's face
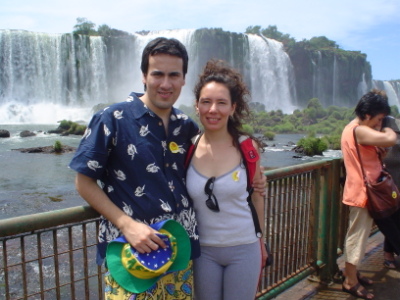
[164, 81]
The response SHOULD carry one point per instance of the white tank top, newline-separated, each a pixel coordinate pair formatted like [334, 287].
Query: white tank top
[233, 225]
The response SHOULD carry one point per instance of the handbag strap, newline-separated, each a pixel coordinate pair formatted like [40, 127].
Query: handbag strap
[359, 156]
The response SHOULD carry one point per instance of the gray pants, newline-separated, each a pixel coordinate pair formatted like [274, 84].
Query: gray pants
[227, 273]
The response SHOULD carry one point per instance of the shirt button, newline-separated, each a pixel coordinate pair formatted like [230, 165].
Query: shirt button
[177, 205]
[160, 123]
[167, 165]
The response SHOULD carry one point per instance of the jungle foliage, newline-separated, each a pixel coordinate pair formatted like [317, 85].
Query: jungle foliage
[85, 27]
[315, 43]
[69, 127]
[313, 120]
[323, 126]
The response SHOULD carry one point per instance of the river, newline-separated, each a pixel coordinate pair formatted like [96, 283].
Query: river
[36, 182]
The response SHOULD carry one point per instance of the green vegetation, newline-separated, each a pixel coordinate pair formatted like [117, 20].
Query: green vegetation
[315, 43]
[311, 146]
[86, 27]
[269, 135]
[57, 146]
[312, 120]
[69, 127]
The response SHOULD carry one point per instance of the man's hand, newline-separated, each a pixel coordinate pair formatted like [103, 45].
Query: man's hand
[260, 184]
[142, 237]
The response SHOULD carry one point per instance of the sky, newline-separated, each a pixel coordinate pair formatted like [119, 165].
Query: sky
[369, 26]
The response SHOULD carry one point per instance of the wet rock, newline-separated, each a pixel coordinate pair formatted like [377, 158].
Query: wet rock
[47, 149]
[299, 149]
[4, 133]
[26, 133]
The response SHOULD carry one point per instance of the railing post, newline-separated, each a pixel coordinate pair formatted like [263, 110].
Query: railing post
[327, 229]
[334, 216]
[319, 220]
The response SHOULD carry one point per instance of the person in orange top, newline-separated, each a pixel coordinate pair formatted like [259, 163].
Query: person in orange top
[370, 111]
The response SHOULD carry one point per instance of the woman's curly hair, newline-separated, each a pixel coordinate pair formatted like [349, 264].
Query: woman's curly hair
[219, 71]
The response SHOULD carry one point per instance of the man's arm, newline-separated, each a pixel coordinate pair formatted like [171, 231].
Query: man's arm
[259, 204]
[142, 237]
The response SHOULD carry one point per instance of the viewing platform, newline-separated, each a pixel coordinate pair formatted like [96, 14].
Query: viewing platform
[386, 281]
[51, 255]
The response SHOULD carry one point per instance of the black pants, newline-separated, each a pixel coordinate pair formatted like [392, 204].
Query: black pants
[390, 228]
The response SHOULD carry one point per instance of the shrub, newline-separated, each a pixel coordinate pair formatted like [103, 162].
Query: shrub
[312, 146]
[64, 124]
[269, 135]
[333, 141]
[248, 129]
[57, 146]
[284, 128]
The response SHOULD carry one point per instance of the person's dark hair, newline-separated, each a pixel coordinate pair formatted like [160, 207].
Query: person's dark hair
[162, 45]
[372, 103]
[219, 71]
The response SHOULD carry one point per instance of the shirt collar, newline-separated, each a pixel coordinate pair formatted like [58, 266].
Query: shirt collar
[139, 109]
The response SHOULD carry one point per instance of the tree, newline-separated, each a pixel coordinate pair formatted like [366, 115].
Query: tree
[253, 29]
[104, 30]
[320, 42]
[85, 27]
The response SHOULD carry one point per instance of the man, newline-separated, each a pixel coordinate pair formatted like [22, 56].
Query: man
[136, 150]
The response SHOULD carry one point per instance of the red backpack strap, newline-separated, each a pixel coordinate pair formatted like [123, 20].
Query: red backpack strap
[250, 157]
[190, 151]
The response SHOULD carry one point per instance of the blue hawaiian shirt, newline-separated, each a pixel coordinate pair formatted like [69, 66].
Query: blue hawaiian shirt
[139, 166]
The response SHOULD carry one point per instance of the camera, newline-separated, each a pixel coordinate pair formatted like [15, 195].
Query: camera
[386, 121]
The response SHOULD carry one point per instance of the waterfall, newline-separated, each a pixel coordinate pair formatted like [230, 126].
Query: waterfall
[335, 80]
[270, 74]
[45, 78]
[362, 87]
[392, 89]
[394, 98]
[48, 77]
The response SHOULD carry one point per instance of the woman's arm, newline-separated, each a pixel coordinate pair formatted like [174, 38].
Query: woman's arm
[368, 136]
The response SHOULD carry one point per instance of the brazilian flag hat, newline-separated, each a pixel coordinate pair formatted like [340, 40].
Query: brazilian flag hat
[136, 272]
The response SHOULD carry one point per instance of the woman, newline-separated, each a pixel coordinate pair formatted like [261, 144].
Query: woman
[231, 253]
[370, 111]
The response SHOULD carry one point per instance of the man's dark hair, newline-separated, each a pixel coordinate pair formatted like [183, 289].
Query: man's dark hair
[372, 103]
[163, 45]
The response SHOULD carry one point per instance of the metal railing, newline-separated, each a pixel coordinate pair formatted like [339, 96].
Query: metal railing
[302, 216]
[52, 255]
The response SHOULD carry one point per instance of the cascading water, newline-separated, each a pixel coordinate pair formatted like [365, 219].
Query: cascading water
[317, 84]
[362, 87]
[45, 78]
[270, 71]
[394, 98]
[48, 77]
[392, 89]
[335, 80]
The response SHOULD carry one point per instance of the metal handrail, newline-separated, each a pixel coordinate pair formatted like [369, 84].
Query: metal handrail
[308, 194]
